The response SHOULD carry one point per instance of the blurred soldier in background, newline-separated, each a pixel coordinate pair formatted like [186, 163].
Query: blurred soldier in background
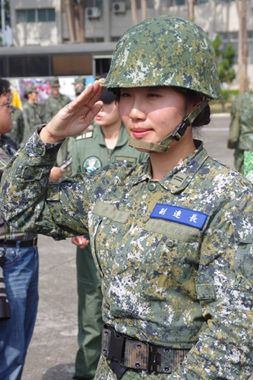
[52, 105]
[32, 111]
[79, 82]
[18, 125]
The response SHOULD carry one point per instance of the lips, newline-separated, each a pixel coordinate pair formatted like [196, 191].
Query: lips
[140, 133]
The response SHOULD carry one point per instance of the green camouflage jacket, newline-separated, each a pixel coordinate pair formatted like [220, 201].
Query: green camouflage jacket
[18, 125]
[54, 104]
[246, 120]
[33, 116]
[175, 256]
[7, 150]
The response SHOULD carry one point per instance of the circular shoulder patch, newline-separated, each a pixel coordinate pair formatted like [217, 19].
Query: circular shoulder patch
[91, 163]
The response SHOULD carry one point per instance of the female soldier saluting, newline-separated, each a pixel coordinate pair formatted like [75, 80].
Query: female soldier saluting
[172, 237]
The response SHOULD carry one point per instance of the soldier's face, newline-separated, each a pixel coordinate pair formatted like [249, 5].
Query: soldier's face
[151, 114]
[55, 91]
[5, 115]
[108, 115]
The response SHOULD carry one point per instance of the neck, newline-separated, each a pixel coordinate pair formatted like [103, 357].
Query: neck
[111, 134]
[31, 101]
[163, 163]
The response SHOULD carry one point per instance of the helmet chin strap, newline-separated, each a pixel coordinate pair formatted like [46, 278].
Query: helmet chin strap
[178, 132]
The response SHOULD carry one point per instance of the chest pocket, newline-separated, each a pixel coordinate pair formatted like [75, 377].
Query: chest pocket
[112, 226]
[174, 263]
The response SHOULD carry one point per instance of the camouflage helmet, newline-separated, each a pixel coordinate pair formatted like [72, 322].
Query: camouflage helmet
[165, 51]
[29, 89]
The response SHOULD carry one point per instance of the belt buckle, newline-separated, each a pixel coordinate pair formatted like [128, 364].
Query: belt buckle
[154, 358]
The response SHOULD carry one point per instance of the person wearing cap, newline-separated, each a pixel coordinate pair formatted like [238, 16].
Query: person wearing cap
[172, 237]
[92, 150]
[56, 100]
[32, 111]
[79, 82]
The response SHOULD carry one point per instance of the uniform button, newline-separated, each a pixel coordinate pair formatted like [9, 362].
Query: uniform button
[151, 186]
[170, 243]
[40, 151]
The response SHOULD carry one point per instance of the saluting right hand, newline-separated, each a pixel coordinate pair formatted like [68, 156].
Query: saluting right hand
[75, 117]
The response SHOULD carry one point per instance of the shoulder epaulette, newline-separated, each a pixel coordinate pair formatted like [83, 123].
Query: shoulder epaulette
[85, 135]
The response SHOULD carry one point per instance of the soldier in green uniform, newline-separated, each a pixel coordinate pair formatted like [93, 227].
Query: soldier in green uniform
[18, 126]
[91, 150]
[172, 237]
[32, 111]
[17, 132]
[79, 82]
[245, 140]
[52, 105]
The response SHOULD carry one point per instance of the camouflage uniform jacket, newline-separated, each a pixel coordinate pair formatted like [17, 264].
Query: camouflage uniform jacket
[89, 151]
[175, 256]
[33, 116]
[7, 150]
[54, 104]
[246, 120]
[17, 132]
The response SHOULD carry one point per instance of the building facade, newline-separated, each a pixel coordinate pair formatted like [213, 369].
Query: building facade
[40, 28]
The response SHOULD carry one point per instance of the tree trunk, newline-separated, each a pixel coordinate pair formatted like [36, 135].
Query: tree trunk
[143, 10]
[70, 23]
[190, 4]
[78, 9]
[134, 12]
[242, 46]
[81, 7]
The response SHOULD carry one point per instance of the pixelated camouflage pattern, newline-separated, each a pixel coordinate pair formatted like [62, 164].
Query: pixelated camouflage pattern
[163, 282]
[245, 141]
[33, 116]
[7, 150]
[165, 51]
[17, 132]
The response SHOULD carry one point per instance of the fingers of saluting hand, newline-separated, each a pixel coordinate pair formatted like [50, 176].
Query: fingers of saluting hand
[86, 100]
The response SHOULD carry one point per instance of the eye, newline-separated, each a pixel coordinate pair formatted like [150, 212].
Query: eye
[153, 95]
[124, 94]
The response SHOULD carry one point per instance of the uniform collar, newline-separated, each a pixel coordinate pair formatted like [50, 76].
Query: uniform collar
[122, 140]
[179, 178]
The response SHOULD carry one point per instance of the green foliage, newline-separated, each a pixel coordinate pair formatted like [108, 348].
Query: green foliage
[7, 14]
[228, 95]
[225, 60]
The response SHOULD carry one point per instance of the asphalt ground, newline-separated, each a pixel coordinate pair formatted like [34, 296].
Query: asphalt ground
[51, 354]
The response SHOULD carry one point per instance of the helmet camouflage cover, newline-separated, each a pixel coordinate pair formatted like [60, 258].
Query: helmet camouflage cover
[165, 51]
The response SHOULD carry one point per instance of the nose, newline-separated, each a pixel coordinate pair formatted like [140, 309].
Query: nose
[137, 112]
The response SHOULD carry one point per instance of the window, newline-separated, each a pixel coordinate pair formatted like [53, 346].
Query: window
[94, 3]
[26, 15]
[35, 15]
[20, 66]
[172, 3]
[150, 4]
[45, 15]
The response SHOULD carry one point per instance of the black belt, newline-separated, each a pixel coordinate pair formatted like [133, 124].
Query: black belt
[135, 354]
[22, 243]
